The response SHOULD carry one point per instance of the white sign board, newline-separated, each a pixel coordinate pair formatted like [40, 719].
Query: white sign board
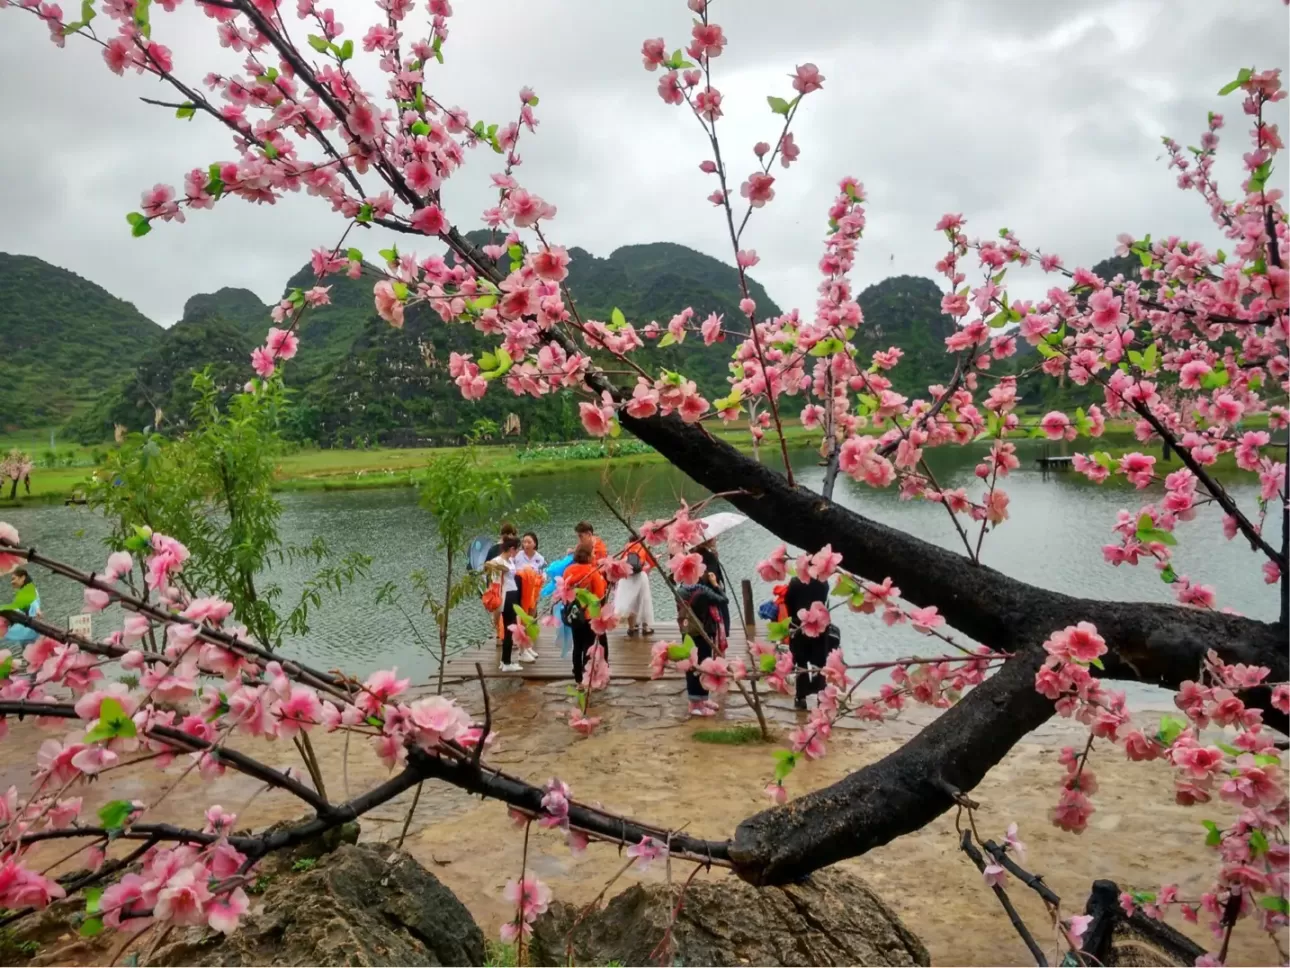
[81, 625]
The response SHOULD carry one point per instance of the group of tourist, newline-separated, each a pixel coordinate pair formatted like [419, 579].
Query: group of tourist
[519, 573]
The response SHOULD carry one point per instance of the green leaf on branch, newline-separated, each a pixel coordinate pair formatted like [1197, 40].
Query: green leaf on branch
[346, 50]
[845, 586]
[1275, 902]
[1242, 76]
[270, 150]
[1259, 177]
[1157, 535]
[92, 897]
[617, 320]
[320, 44]
[827, 346]
[1148, 532]
[142, 9]
[679, 652]
[501, 364]
[419, 127]
[785, 761]
[87, 14]
[6, 667]
[778, 105]
[1105, 459]
[667, 340]
[1215, 836]
[1215, 379]
[186, 110]
[113, 815]
[480, 303]
[91, 927]
[113, 723]
[437, 49]
[139, 224]
[1046, 351]
[778, 631]
[354, 255]
[1171, 728]
[1258, 843]
[400, 290]
[999, 319]
[391, 254]
[1055, 339]
[1168, 575]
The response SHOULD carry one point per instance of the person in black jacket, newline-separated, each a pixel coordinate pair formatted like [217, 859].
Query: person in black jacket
[507, 530]
[714, 577]
[705, 603]
[807, 650]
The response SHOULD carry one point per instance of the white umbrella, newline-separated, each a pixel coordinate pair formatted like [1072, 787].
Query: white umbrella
[720, 523]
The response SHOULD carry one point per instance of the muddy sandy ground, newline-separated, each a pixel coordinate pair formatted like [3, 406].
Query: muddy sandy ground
[644, 762]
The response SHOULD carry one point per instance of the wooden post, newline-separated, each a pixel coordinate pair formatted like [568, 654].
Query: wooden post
[750, 615]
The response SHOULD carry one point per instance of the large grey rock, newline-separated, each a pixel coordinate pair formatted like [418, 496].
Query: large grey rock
[834, 918]
[363, 904]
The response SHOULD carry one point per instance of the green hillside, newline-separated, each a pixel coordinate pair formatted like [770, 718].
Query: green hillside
[361, 382]
[239, 307]
[163, 379]
[65, 342]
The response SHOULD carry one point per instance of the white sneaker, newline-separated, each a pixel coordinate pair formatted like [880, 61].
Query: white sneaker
[528, 655]
[511, 667]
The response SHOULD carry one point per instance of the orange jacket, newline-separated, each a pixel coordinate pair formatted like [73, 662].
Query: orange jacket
[586, 576]
[530, 583]
[780, 591]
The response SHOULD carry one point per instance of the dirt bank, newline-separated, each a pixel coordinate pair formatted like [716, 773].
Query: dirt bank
[645, 762]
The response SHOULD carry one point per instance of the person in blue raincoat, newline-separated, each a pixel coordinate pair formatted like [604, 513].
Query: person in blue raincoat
[554, 570]
[26, 600]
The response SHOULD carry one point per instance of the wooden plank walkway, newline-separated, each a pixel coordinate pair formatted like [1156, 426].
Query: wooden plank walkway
[628, 657]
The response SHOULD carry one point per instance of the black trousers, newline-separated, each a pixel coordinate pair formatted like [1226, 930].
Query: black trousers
[809, 651]
[583, 639]
[694, 690]
[511, 600]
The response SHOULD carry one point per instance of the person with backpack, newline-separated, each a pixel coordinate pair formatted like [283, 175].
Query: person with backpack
[26, 600]
[806, 650]
[503, 566]
[633, 600]
[714, 576]
[582, 574]
[702, 622]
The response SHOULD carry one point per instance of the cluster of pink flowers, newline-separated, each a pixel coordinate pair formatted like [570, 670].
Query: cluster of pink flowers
[172, 645]
[1253, 859]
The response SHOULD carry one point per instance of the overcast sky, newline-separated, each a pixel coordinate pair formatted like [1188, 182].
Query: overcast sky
[1040, 115]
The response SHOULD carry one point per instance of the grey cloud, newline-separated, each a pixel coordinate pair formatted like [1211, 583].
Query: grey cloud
[1044, 117]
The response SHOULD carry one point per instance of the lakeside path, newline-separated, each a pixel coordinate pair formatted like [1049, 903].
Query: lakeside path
[644, 761]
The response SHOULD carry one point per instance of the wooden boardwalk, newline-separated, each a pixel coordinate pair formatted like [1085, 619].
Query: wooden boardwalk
[628, 657]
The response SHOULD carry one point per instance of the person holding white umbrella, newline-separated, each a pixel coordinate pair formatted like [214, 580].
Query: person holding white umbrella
[714, 575]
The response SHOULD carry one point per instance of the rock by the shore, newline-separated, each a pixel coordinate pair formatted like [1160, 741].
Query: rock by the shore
[834, 918]
[364, 904]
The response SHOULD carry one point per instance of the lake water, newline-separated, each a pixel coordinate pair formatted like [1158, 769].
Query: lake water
[1053, 539]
